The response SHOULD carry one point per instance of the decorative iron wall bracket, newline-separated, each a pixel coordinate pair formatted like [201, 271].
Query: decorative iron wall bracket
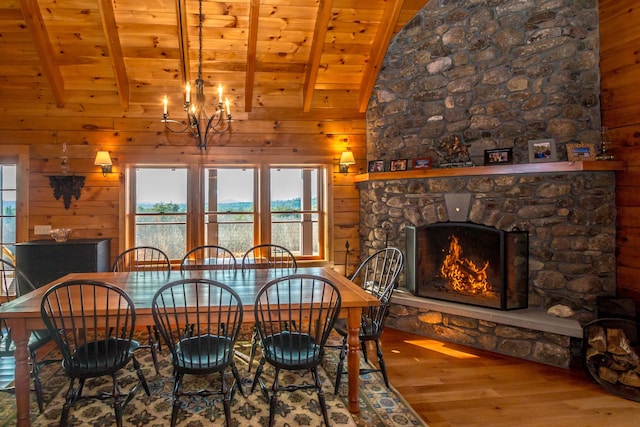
[66, 186]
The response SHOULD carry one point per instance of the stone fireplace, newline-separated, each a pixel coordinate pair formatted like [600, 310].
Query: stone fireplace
[496, 75]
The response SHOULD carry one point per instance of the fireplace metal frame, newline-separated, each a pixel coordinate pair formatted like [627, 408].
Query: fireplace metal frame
[411, 262]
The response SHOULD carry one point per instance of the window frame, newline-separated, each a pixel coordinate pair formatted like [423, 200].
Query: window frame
[195, 202]
[19, 155]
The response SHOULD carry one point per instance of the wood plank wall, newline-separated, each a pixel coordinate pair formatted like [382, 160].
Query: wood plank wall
[620, 99]
[139, 134]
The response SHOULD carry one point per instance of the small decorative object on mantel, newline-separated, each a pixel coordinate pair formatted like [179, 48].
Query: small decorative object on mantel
[398, 165]
[66, 186]
[498, 156]
[605, 146]
[542, 150]
[423, 163]
[376, 166]
[581, 152]
[454, 153]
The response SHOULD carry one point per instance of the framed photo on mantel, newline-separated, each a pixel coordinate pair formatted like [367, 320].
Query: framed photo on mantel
[376, 166]
[398, 165]
[542, 150]
[498, 156]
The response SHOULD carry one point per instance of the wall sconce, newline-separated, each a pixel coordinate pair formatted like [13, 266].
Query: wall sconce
[104, 161]
[346, 159]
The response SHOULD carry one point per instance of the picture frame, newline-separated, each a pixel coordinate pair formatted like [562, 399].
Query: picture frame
[542, 150]
[581, 152]
[398, 165]
[498, 156]
[376, 166]
[422, 163]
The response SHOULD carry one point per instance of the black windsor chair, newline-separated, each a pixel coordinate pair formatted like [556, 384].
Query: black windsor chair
[377, 275]
[15, 283]
[313, 304]
[92, 324]
[267, 256]
[145, 259]
[199, 320]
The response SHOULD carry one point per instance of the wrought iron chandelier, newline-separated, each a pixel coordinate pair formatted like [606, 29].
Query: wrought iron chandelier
[199, 123]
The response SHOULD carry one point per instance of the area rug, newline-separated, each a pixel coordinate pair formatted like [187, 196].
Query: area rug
[379, 406]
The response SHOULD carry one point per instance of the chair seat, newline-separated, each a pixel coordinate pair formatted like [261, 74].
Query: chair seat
[293, 350]
[97, 358]
[203, 352]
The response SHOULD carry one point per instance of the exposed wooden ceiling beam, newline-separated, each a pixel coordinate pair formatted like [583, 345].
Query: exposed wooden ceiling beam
[183, 40]
[378, 51]
[35, 24]
[110, 28]
[252, 45]
[317, 47]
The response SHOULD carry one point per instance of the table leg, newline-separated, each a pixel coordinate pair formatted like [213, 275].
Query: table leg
[20, 335]
[353, 357]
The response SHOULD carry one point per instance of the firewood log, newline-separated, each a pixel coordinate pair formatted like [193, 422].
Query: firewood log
[597, 338]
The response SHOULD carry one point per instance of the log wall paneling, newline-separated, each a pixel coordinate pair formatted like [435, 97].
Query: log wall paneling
[620, 103]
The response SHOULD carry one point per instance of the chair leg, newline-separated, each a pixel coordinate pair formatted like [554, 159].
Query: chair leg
[321, 399]
[273, 406]
[363, 346]
[117, 403]
[141, 377]
[236, 375]
[381, 362]
[177, 391]
[226, 399]
[340, 367]
[154, 346]
[37, 384]
[254, 345]
[70, 397]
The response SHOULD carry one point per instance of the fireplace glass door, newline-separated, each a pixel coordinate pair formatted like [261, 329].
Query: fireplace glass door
[469, 264]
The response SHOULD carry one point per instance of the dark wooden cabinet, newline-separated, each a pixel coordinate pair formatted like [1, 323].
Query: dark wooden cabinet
[46, 260]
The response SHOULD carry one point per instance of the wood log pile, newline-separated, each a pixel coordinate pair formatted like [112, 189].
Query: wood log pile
[611, 356]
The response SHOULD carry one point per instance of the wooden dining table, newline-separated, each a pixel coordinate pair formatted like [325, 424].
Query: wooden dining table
[23, 314]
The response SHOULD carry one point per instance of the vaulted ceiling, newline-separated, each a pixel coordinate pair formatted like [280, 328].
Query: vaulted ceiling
[120, 57]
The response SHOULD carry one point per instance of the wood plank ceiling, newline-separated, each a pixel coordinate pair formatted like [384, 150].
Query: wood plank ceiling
[118, 58]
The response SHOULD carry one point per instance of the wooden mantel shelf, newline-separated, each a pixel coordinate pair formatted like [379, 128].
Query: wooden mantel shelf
[547, 167]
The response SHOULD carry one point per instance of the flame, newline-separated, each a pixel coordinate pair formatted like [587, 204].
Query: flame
[463, 274]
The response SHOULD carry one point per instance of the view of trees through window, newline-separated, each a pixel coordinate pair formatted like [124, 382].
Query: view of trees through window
[230, 211]
[8, 208]
[161, 209]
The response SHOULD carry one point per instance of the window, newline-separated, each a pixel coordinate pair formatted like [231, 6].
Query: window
[160, 200]
[8, 210]
[230, 216]
[294, 209]
[230, 206]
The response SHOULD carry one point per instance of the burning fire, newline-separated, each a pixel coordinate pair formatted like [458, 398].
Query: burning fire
[462, 273]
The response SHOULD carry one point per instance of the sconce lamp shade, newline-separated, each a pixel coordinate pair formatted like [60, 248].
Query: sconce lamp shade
[346, 158]
[104, 161]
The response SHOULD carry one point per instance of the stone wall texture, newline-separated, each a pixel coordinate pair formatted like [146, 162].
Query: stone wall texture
[494, 73]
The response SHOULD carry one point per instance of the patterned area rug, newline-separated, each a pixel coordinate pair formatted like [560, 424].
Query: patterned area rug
[379, 406]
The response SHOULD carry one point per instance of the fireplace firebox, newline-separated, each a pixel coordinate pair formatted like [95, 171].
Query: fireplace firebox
[468, 263]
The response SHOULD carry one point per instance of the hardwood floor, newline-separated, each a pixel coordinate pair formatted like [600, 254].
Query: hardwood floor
[450, 385]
